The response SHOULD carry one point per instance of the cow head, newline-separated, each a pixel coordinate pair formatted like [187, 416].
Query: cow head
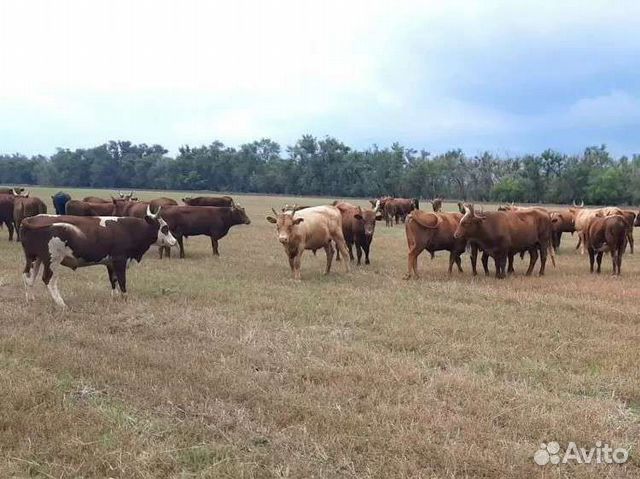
[562, 221]
[436, 204]
[239, 215]
[285, 225]
[470, 224]
[368, 220]
[165, 238]
[20, 192]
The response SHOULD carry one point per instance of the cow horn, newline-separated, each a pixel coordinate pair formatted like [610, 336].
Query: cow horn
[274, 211]
[574, 204]
[582, 204]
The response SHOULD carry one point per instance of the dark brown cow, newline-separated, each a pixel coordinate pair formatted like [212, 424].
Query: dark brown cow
[606, 233]
[208, 201]
[433, 232]
[137, 209]
[6, 212]
[162, 202]
[630, 218]
[75, 242]
[504, 234]
[399, 208]
[436, 204]
[95, 199]
[358, 226]
[24, 207]
[212, 221]
[562, 221]
[84, 208]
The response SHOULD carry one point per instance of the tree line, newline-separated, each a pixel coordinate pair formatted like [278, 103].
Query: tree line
[328, 167]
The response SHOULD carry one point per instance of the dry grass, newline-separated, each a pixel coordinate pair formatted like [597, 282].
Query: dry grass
[228, 368]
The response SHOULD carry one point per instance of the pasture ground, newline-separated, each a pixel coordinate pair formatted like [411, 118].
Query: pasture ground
[228, 368]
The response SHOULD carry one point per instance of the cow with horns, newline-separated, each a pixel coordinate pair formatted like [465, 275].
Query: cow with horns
[76, 241]
[310, 229]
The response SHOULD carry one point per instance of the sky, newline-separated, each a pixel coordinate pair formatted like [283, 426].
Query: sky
[510, 77]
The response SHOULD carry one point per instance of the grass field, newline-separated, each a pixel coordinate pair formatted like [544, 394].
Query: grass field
[228, 368]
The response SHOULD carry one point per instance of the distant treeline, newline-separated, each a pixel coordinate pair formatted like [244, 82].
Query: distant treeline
[328, 167]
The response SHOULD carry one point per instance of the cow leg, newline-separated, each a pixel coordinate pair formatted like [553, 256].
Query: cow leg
[337, 254]
[328, 249]
[501, 265]
[120, 267]
[50, 278]
[296, 265]
[533, 257]
[10, 228]
[365, 247]
[340, 244]
[412, 262]
[358, 252]
[630, 240]
[599, 261]
[620, 253]
[214, 247]
[510, 269]
[473, 256]
[29, 276]
[485, 263]
[451, 261]
[350, 249]
[543, 258]
[112, 277]
[592, 256]
[179, 239]
[459, 262]
[292, 265]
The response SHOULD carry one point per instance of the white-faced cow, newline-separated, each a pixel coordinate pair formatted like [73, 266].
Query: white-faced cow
[310, 229]
[77, 241]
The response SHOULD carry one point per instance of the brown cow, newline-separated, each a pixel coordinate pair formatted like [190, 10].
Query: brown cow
[606, 233]
[436, 204]
[24, 207]
[631, 218]
[6, 212]
[503, 234]
[562, 221]
[433, 232]
[212, 221]
[583, 216]
[401, 207]
[310, 229]
[75, 242]
[358, 226]
[162, 202]
[208, 201]
[84, 208]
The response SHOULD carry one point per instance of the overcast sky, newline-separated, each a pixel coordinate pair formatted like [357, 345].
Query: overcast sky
[507, 76]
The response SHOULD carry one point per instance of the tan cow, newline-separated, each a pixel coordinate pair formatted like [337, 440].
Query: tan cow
[582, 216]
[310, 229]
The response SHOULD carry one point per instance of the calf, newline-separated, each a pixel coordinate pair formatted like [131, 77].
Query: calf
[76, 242]
[212, 221]
[433, 232]
[310, 229]
[358, 226]
[503, 234]
[606, 233]
[24, 207]
[208, 201]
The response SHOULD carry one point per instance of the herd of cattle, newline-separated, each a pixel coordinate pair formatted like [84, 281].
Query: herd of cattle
[96, 231]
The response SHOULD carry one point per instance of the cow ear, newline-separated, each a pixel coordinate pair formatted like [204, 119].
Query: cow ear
[358, 216]
[271, 219]
[297, 221]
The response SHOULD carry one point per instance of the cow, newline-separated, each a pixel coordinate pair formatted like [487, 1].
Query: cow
[15, 191]
[402, 207]
[310, 229]
[208, 201]
[562, 221]
[606, 233]
[358, 226]
[162, 202]
[6, 212]
[85, 208]
[433, 232]
[212, 221]
[436, 204]
[502, 234]
[24, 207]
[631, 218]
[76, 242]
[59, 201]
[583, 216]
[384, 208]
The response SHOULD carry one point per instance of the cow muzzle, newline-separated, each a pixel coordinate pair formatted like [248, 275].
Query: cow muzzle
[283, 239]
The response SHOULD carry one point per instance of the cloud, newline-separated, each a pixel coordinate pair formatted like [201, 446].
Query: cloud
[438, 75]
